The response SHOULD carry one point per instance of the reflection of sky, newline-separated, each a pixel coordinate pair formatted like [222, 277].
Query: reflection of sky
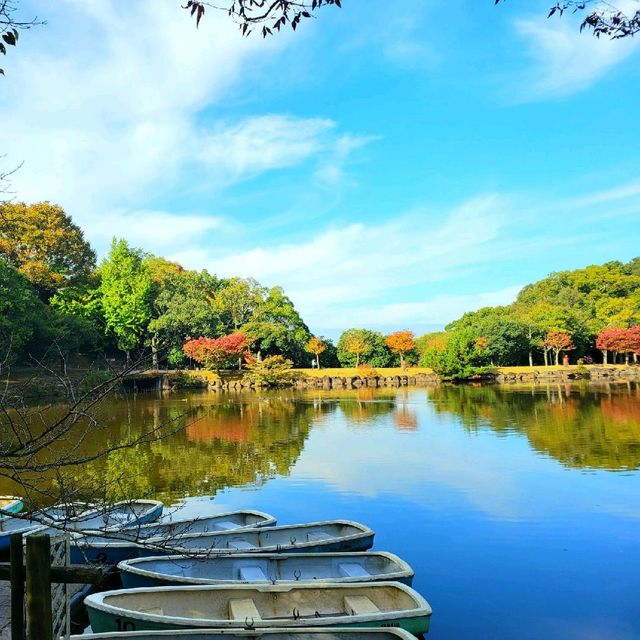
[506, 542]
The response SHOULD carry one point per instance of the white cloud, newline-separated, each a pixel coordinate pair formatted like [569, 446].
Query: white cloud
[566, 61]
[120, 125]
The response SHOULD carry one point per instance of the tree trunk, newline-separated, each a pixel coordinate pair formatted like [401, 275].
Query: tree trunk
[530, 358]
[557, 353]
[402, 363]
[154, 351]
[317, 361]
[545, 353]
[626, 357]
[604, 356]
[357, 360]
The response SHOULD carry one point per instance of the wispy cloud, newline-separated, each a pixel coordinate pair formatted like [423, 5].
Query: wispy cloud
[565, 61]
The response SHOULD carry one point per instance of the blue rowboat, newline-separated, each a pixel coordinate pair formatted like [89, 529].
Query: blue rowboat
[326, 633]
[374, 604]
[312, 537]
[97, 548]
[58, 515]
[263, 634]
[10, 504]
[171, 527]
[259, 568]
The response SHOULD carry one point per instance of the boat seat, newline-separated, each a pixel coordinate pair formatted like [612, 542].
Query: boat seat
[153, 610]
[314, 536]
[243, 609]
[225, 525]
[352, 570]
[252, 574]
[359, 605]
[240, 544]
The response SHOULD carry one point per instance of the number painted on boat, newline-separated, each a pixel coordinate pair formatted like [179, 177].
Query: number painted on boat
[125, 625]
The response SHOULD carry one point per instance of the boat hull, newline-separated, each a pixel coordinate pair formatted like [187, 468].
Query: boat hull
[11, 504]
[386, 604]
[256, 569]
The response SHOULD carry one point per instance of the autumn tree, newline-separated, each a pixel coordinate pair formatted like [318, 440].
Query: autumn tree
[400, 342]
[216, 353]
[355, 343]
[316, 346]
[125, 295]
[558, 341]
[43, 243]
[619, 341]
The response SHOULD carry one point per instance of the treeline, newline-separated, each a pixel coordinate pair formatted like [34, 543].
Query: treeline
[55, 300]
[589, 315]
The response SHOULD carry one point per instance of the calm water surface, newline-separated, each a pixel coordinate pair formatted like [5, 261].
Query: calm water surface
[518, 508]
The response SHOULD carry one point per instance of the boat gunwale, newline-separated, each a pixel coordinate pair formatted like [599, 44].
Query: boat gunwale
[363, 532]
[401, 634]
[422, 608]
[404, 568]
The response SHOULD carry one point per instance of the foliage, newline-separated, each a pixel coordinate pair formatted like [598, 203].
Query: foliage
[618, 341]
[126, 295]
[176, 358]
[276, 328]
[273, 371]
[558, 341]
[237, 301]
[10, 24]
[604, 20]
[19, 308]
[216, 353]
[462, 356]
[183, 306]
[270, 16]
[400, 342]
[316, 346]
[351, 343]
[42, 242]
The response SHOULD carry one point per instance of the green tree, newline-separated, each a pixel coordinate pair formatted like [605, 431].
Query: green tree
[184, 306]
[19, 308]
[276, 328]
[376, 353]
[43, 243]
[460, 356]
[126, 295]
[236, 301]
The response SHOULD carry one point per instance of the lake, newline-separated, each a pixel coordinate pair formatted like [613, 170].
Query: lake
[518, 507]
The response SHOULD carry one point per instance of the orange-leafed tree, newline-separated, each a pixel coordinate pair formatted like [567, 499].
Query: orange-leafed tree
[216, 353]
[400, 342]
[316, 346]
[558, 341]
[357, 344]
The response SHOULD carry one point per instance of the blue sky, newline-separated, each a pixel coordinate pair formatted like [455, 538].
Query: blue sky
[390, 164]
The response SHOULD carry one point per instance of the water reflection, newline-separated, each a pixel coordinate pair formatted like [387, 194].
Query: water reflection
[594, 427]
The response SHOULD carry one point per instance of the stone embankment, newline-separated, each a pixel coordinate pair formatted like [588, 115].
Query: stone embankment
[601, 373]
[356, 382]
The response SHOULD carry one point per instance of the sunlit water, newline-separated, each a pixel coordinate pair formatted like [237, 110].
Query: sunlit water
[518, 508]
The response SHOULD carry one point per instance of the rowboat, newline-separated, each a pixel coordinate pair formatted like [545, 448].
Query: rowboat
[313, 537]
[10, 504]
[258, 568]
[170, 528]
[97, 548]
[115, 517]
[58, 515]
[263, 634]
[374, 604]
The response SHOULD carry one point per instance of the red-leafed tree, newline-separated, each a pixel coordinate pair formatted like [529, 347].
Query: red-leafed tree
[634, 341]
[558, 341]
[400, 342]
[612, 339]
[217, 353]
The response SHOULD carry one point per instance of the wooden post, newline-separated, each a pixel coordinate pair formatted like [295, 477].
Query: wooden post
[17, 587]
[38, 579]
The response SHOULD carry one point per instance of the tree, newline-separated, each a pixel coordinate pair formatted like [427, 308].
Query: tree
[183, 305]
[400, 342]
[558, 341]
[216, 353]
[276, 328]
[459, 355]
[316, 346]
[126, 295]
[605, 19]
[271, 15]
[10, 24]
[237, 300]
[377, 353]
[19, 309]
[352, 345]
[43, 243]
